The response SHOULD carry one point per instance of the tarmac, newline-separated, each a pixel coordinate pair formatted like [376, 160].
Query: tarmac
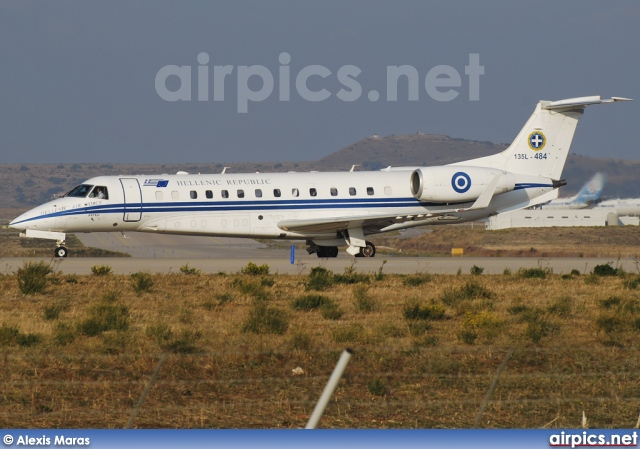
[167, 253]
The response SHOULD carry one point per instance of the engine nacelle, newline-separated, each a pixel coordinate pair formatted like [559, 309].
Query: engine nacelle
[455, 184]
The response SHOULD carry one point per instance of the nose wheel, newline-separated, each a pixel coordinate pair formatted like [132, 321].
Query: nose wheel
[61, 251]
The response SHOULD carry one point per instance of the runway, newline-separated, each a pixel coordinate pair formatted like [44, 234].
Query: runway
[167, 253]
[278, 262]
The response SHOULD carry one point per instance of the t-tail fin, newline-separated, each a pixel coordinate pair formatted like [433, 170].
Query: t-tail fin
[592, 190]
[542, 146]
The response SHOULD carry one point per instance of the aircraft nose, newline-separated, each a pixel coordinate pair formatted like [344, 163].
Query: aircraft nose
[19, 222]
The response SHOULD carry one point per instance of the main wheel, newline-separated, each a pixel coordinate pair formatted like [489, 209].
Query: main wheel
[327, 251]
[61, 251]
[332, 251]
[368, 251]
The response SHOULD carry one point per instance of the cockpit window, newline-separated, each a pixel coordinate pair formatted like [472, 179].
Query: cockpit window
[81, 191]
[99, 192]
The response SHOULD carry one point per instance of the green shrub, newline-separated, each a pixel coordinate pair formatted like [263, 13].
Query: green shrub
[418, 328]
[610, 302]
[8, 335]
[561, 306]
[300, 340]
[518, 309]
[32, 277]
[310, 302]
[254, 270]
[575, 272]
[267, 282]
[471, 290]
[533, 273]
[190, 271]
[331, 311]
[184, 343]
[591, 279]
[416, 280]
[362, 301]
[350, 276]
[377, 387]
[141, 282]
[414, 310]
[253, 288]
[605, 270]
[483, 324]
[506, 272]
[476, 270]
[632, 283]
[609, 323]
[348, 333]
[28, 340]
[63, 334]
[265, 319]
[101, 270]
[104, 316]
[379, 276]
[468, 336]
[11, 335]
[52, 311]
[319, 279]
[538, 327]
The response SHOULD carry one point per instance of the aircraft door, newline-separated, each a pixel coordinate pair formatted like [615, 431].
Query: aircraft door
[132, 199]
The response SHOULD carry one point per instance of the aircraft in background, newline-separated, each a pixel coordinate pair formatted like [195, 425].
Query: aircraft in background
[588, 194]
[628, 206]
[328, 210]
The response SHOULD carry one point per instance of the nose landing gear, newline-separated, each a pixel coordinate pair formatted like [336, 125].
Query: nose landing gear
[61, 251]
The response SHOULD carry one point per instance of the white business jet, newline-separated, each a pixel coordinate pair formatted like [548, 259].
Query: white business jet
[328, 210]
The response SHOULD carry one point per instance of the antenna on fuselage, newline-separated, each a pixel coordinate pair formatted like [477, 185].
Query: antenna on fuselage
[353, 167]
[224, 170]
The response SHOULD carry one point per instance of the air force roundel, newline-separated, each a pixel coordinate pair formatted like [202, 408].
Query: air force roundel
[537, 141]
[461, 182]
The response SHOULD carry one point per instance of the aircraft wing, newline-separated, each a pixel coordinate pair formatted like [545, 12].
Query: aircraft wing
[381, 221]
[325, 224]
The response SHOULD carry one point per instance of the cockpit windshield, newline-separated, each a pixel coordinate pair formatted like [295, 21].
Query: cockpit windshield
[81, 191]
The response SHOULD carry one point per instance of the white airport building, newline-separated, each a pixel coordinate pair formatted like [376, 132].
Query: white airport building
[540, 218]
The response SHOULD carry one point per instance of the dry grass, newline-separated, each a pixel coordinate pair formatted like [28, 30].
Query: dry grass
[521, 242]
[405, 373]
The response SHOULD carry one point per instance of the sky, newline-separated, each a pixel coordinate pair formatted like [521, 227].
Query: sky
[144, 81]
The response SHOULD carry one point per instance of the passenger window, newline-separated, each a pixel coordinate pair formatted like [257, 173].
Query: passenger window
[313, 192]
[258, 193]
[208, 194]
[224, 194]
[240, 193]
[175, 194]
[295, 193]
[387, 190]
[369, 190]
[193, 194]
[277, 193]
[159, 195]
[352, 191]
[334, 191]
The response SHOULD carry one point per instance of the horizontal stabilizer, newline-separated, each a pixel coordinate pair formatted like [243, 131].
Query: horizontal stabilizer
[582, 101]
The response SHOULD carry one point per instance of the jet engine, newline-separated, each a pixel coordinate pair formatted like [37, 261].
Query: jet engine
[454, 184]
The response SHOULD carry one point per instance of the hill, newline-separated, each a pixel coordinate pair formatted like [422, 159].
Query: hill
[26, 185]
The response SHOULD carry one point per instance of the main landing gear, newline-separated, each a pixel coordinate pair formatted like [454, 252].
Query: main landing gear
[327, 251]
[332, 251]
[367, 251]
